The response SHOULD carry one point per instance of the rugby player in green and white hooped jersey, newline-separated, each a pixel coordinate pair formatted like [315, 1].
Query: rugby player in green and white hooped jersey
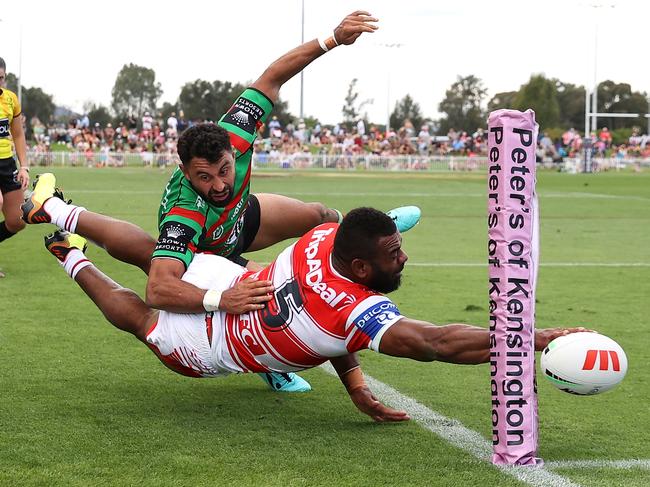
[206, 206]
[213, 222]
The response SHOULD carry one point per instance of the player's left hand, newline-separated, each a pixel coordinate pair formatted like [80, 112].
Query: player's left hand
[23, 178]
[367, 403]
[352, 26]
[545, 336]
[247, 295]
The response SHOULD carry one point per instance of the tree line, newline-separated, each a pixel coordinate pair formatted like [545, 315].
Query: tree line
[558, 105]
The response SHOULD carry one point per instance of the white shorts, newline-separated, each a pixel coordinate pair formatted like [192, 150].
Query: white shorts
[193, 344]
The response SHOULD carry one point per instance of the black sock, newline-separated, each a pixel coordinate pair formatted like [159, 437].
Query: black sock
[4, 233]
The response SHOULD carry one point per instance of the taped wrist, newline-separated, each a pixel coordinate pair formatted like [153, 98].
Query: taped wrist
[211, 300]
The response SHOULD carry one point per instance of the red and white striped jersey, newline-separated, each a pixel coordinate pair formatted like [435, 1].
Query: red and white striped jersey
[316, 314]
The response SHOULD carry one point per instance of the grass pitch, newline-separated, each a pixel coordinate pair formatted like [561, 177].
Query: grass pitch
[85, 404]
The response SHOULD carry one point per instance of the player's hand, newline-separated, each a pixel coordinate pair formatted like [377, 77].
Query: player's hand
[23, 178]
[367, 403]
[545, 336]
[352, 26]
[247, 295]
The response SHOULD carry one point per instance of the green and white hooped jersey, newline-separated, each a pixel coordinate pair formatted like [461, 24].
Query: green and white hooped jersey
[187, 223]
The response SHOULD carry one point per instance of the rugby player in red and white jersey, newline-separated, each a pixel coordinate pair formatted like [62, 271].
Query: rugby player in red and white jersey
[206, 206]
[327, 305]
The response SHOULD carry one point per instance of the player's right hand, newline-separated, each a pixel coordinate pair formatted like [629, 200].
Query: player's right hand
[247, 295]
[352, 26]
[544, 336]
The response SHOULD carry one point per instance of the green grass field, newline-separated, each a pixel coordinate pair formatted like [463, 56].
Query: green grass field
[85, 404]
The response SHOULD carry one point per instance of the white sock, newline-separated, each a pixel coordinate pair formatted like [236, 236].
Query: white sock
[74, 262]
[63, 215]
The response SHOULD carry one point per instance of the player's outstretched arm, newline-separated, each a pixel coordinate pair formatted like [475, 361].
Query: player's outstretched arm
[293, 62]
[349, 371]
[456, 343]
[166, 290]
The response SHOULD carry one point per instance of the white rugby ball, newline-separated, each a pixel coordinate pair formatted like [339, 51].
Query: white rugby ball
[584, 363]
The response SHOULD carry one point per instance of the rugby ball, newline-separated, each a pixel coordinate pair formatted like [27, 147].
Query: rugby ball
[584, 363]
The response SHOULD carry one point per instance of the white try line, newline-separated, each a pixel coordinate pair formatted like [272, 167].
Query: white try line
[458, 435]
[542, 264]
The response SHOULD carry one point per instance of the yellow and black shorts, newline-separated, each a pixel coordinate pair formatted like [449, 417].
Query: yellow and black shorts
[8, 175]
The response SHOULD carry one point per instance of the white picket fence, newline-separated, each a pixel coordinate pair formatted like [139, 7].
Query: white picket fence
[368, 162]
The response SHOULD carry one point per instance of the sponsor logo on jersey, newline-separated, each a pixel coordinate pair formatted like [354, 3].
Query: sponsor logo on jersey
[175, 237]
[382, 314]
[237, 208]
[235, 231]
[217, 233]
[314, 277]
[174, 231]
[4, 127]
[244, 114]
[240, 118]
[165, 200]
[199, 202]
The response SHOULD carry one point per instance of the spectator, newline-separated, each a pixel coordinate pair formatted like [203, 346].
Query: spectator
[361, 127]
[172, 125]
[84, 123]
[147, 126]
[182, 123]
[131, 122]
[275, 128]
[605, 137]
[424, 139]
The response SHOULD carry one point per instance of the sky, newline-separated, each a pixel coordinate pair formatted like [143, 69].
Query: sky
[74, 50]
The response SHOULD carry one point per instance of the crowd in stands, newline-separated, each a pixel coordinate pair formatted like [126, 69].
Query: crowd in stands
[148, 137]
[339, 140]
[299, 141]
[572, 143]
[155, 141]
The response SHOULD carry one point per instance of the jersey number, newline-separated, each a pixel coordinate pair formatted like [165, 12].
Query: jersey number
[288, 301]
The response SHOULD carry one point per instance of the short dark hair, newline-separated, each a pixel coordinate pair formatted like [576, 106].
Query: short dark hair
[2, 64]
[359, 231]
[205, 140]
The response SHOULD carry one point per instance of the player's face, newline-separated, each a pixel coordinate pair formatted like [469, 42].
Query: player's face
[388, 265]
[3, 78]
[214, 182]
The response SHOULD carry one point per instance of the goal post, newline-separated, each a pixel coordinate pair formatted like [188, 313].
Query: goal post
[513, 250]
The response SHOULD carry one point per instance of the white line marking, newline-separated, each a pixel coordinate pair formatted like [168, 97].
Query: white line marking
[458, 435]
[548, 264]
[73, 191]
[595, 195]
[384, 194]
[621, 464]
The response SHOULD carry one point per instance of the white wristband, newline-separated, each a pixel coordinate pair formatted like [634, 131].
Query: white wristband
[321, 43]
[211, 300]
[334, 37]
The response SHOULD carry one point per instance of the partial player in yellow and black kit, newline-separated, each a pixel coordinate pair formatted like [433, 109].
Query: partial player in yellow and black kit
[13, 179]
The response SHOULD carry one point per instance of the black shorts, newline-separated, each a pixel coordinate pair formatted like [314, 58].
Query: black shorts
[248, 232]
[9, 176]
